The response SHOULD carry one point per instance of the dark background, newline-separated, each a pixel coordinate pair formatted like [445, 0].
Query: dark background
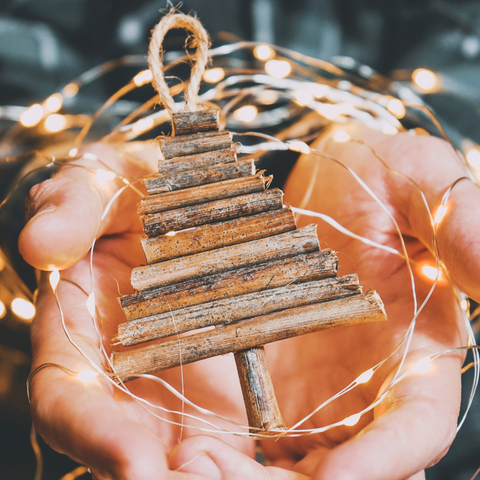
[46, 43]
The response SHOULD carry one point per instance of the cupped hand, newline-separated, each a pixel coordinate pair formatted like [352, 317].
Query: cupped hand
[411, 429]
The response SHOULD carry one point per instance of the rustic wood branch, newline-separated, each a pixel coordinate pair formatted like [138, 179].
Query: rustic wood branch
[258, 393]
[212, 212]
[276, 273]
[202, 194]
[218, 235]
[233, 309]
[195, 143]
[285, 245]
[199, 160]
[184, 123]
[200, 176]
[249, 333]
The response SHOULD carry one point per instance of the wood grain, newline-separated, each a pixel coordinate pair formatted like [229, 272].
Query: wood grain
[184, 123]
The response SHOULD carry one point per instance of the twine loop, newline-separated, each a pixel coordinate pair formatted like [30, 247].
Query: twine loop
[155, 56]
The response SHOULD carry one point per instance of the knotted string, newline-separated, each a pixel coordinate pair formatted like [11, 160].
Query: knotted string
[155, 56]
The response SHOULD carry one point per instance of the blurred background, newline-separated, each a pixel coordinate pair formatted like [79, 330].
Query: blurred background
[44, 44]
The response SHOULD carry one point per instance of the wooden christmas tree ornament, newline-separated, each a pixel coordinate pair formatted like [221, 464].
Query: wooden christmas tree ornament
[236, 260]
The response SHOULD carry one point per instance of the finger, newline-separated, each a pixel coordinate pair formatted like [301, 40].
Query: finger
[65, 213]
[214, 459]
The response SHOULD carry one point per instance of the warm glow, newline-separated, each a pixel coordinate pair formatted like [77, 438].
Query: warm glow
[267, 97]
[86, 375]
[54, 279]
[170, 234]
[73, 152]
[426, 80]
[54, 102]
[298, 146]
[23, 308]
[352, 420]
[142, 125]
[396, 107]
[430, 272]
[423, 366]
[103, 176]
[329, 111]
[246, 114]
[3, 309]
[263, 52]
[341, 137]
[31, 116]
[214, 75]
[364, 377]
[318, 90]
[473, 158]
[278, 68]
[389, 130]
[55, 123]
[303, 96]
[70, 90]
[440, 213]
[142, 78]
[91, 304]
[464, 305]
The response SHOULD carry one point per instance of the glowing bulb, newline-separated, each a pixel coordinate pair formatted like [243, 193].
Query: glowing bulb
[91, 304]
[54, 102]
[54, 279]
[32, 116]
[3, 309]
[55, 123]
[278, 68]
[364, 377]
[396, 107]
[473, 158]
[214, 75]
[267, 97]
[329, 111]
[298, 146]
[318, 90]
[70, 90]
[86, 375]
[142, 125]
[303, 96]
[430, 272]
[341, 137]
[170, 234]
[263, 52]
[73, 152]
[441, 211]
[352, 420]
[125, 181]
[426, 80]
[464, 305]
[389, 130]
[23, 308]
[423, 366]
[246, 114]
[142, 78]
[103, 177]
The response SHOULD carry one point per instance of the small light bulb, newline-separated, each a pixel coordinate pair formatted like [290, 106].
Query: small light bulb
[430, 272]
[125, 181]
[464, 305]
[440, 213]
[303, 96]
[423, 366]
[396, 107]
[32, 116]
[91, 305]
[389, 130]
[73, 152]
[341, 137]
[86, 375]
[3, 309]
[426, 80]
[473, 157]
[54, 279]
[329, 111]
[103, 177]
[171, 234]
[55, 123]
[352, 420]
[318, 89]
[298, 146]
[263, 52]
[214, 75]
[364, 377]
[70, 90]
[246, 114]
[278, 68]
[142, 125]
[142, 78]
[54, 102]
[267, 97]
[23, 308]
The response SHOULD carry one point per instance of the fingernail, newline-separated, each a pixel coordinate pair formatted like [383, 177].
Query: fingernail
[202, 464]
[31, 211]
[46, 209]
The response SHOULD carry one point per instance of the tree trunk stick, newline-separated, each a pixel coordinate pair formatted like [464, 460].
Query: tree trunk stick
[195, 143]
[277, 273]
[218, 235]
[249, 333]
[199, 160]
[233, 309]
[285, 245]
[257, 387]
[202, 194]
[212, 212]
[200, 176]
[184, 123]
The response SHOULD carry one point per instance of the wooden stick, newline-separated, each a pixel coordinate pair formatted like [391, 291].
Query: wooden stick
[249, 333]
[212, 212]
[201, 176]
[277, 273]
[202, 194]
[218, 235]
[233, 309]
[214, 262]
[199, 160]
[192, 122]
[196, 143]
[258, 393]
